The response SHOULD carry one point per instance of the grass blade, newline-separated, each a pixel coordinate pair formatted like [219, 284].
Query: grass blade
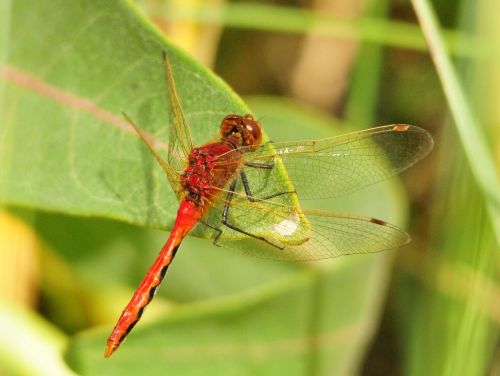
[466, 122]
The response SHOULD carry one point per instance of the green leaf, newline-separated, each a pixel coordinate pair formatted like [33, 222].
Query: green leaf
[70, 73]
[448, 295]
[467, 122]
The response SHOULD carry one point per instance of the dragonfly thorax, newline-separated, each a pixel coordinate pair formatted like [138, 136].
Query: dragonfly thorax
[197, 178]
[210, 167]
[241, 131]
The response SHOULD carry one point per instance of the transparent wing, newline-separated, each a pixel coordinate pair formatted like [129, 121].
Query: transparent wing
[339, 165]
[273, 230]
[180, 142]
[172, 175]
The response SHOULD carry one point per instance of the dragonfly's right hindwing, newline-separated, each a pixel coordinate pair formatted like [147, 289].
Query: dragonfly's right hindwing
[309, 235]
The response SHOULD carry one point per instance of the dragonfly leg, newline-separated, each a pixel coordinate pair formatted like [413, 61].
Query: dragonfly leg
[267, 166]
[249, 194]
[225, 214]
[218, 230]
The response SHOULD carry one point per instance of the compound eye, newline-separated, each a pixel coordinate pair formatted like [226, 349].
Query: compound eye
[255, 131]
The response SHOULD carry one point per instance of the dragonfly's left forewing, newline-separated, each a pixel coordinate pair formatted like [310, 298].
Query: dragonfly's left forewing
[336, 166]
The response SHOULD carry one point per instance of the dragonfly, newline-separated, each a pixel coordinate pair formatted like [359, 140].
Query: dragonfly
[235, 189]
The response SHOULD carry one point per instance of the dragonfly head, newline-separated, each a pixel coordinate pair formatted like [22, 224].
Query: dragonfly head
[241, 131]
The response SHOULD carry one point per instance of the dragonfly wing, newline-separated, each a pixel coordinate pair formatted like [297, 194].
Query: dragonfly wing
[180, 141]
[336, 166]
[335, 235]
[269, 229]
[172, 175]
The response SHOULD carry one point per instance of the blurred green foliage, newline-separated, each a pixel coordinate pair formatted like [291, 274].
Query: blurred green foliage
[73, 172]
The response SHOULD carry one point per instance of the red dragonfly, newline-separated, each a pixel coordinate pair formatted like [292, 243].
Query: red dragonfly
[234, 189]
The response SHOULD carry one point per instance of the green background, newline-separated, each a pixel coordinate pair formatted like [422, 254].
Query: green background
[73, 173]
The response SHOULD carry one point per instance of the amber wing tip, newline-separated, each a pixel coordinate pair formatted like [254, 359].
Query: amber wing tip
[401, 127]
